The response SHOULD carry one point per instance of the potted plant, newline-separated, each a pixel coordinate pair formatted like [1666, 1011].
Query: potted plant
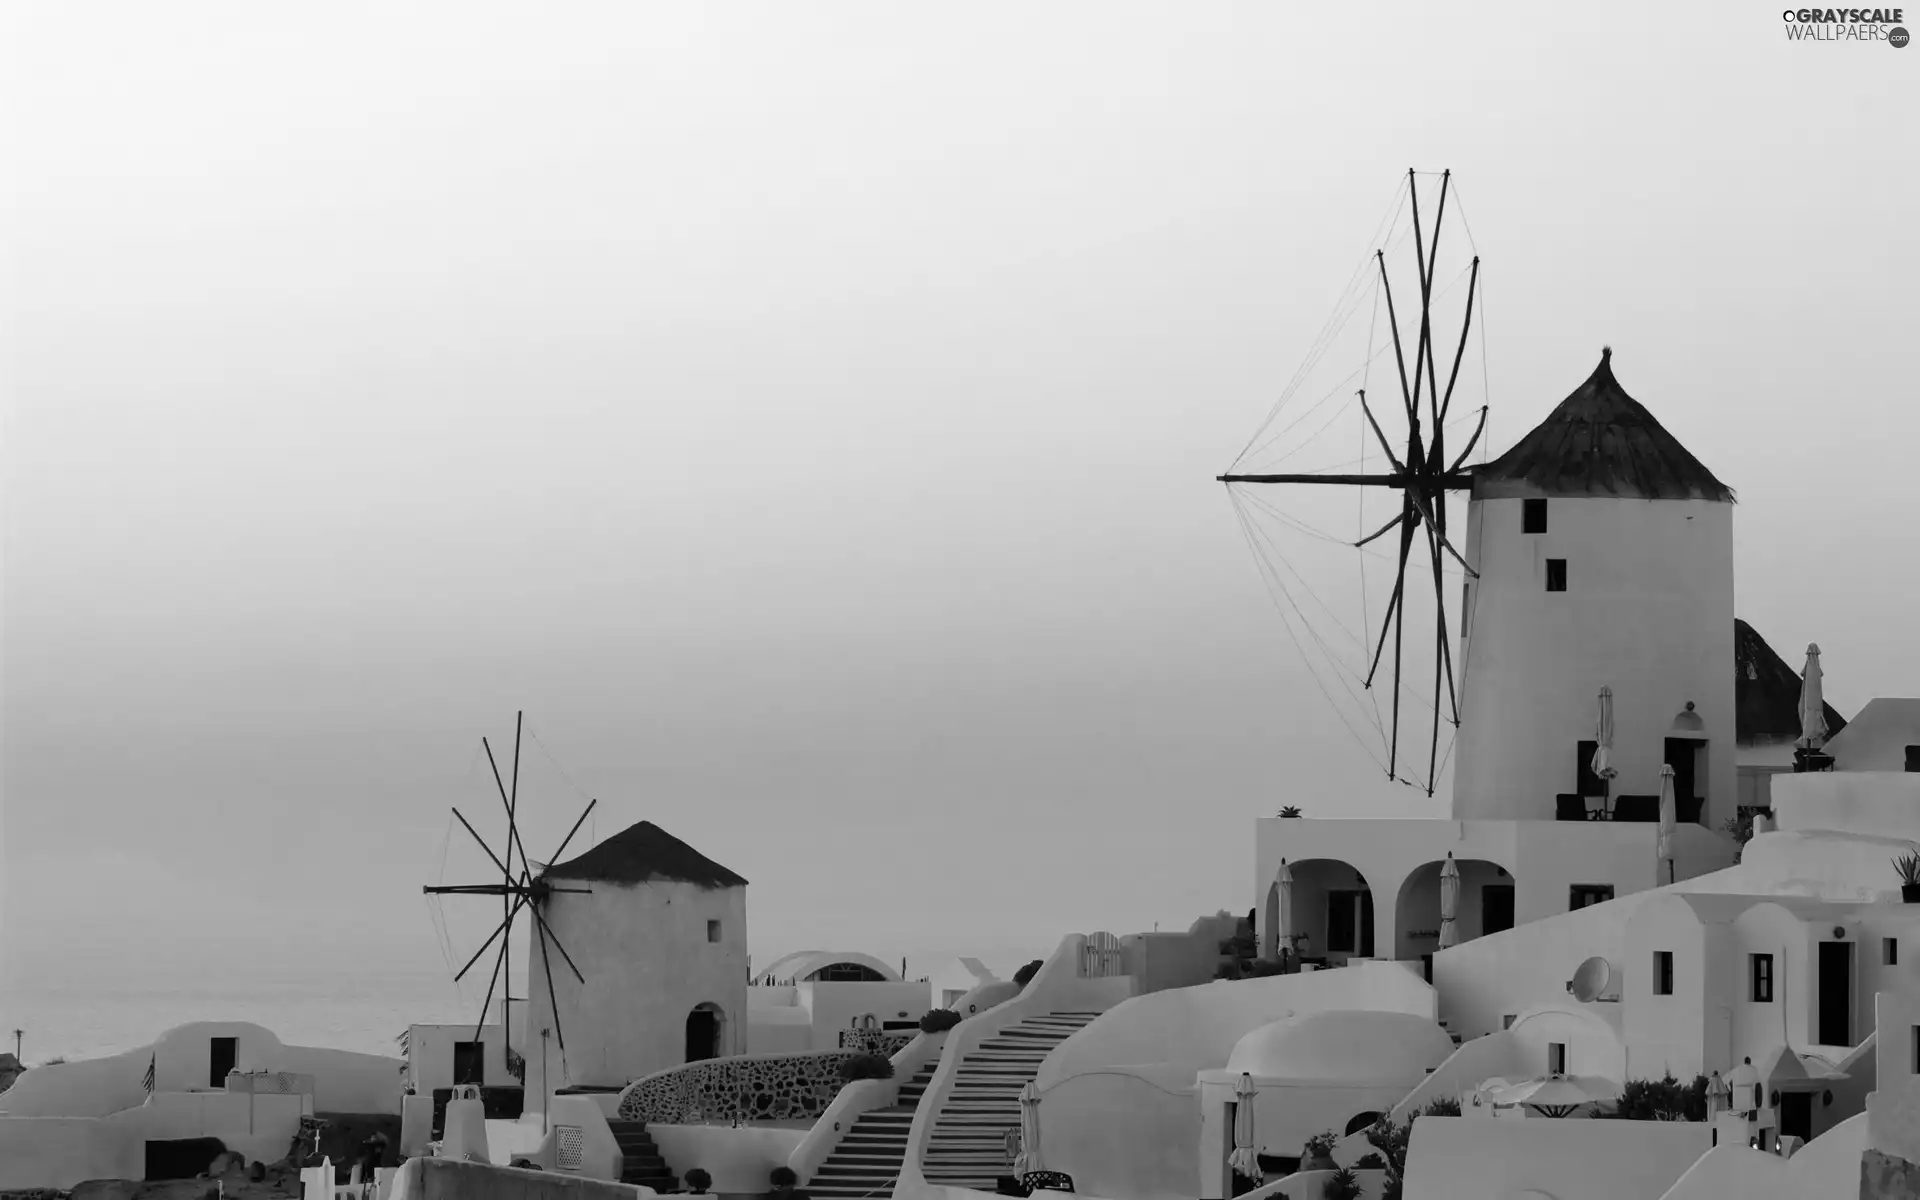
[1317, 1154]
[1909, 867]
[865, 1066]
[939, 1020]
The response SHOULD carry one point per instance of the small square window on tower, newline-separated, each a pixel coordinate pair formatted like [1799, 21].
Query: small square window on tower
[713, 931]
[1533, 515]
[1556, 574]
[1889, 952]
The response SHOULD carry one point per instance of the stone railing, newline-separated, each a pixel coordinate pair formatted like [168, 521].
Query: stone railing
[746, 1087]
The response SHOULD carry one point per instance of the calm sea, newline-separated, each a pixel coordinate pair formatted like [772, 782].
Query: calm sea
[341, 1011]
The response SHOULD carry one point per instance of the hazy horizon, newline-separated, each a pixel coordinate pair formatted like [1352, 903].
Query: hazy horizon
[809, 416]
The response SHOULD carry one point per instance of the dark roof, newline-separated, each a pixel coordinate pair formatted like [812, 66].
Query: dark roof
[1766, 692]
[642, 853]
[1599, 442]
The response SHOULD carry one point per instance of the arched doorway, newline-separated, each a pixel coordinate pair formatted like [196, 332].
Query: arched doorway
[705, 1024]
[1360, 1121]
[1332, 907]
[1485, 906]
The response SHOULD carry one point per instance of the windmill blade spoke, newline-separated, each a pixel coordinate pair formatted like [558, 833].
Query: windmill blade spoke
[1466, 323]
[1389, 527]
[504, 927]
[576, 829]
[504, 803]
[1399, 643]
[1471, 442]
[492, 982]
[1440, 645]
[484, 846]
[513, 804]
[1393, 458]
[1393, 324]
[1426, 513]
[547, 931]
[553, 1003]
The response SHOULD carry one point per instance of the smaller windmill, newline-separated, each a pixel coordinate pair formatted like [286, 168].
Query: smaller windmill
[522, 888]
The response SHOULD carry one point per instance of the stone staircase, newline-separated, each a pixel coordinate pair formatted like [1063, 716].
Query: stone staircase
[640, 1158]
[867, 1161]
[967, 1145]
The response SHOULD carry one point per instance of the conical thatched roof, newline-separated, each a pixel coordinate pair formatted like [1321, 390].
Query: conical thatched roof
[1599, 442]
[645, 853]
[1766, 692]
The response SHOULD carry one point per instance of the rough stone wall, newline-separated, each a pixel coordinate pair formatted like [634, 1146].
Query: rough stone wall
[775, 1087]
[1886, 1177]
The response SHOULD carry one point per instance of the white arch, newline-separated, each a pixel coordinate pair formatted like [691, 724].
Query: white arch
[800, 965]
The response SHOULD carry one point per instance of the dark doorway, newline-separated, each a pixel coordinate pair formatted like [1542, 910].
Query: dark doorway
[224, 1053]
[1796, 1115]
[181, 1158]
[1350, 923]
[1836, 994]
[1496, 908]
[1586, 783]
[1683, 757]
[469, 1063]
[703, 1034]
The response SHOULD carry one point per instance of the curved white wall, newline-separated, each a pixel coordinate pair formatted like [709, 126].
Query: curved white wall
[1648, 611]
[647, 963]
[1196, 1028]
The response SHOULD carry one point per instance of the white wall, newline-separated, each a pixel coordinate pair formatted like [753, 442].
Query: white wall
[738, 1159]
[1195, 1028]
[59, 1152]
[1893, 1110]
[1648, 611]
[1131, 1133]
[1464, 1158]
[263, 1134]
[836, 1006]
[647, 963]
[1863, 804]
[344, 1081]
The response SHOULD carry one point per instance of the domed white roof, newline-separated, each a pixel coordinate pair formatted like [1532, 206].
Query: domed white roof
[1349, 1047]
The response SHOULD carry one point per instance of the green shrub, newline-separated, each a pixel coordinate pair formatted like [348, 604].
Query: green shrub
[1369, 1162]
[1320, 1145]
[1025, 974]
[1665, 1099]
[865, 1066]
[1443, 1107]
[939, 1020]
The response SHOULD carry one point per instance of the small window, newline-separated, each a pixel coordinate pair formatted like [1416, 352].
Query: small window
[1556, 574]
[1533, 516]
[713, 931]
[1761, 970]
[1580, 895]
[1506, 1022]
[1556, 1058]
[1890, 952]
[1663, 972]
[1914, 1046]
[1913, 758]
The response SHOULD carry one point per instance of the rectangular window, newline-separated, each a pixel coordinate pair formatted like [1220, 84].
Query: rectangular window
[1580, 895]
[1533, 516]
[1556, 574]
[1663, 972]
[713, 931]
[469, 1063]
[1913, 758]
[1914, 1046]
[1760, 968]
[1556, 1058]
[1890, 952]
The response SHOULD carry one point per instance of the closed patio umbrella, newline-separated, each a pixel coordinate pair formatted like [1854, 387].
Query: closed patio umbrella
[1449, 903]
[1813, 703]
[1602, 764]
[1244, 1159]
[1669, 820]
[1029, 1157]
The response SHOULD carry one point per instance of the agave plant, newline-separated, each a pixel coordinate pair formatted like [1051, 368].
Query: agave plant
[1909, 867]
[1291, 810]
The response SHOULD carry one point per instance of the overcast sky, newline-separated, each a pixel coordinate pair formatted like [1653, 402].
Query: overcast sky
[809, 415]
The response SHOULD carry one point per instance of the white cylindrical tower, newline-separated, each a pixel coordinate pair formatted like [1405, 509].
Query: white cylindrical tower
[1605, 559]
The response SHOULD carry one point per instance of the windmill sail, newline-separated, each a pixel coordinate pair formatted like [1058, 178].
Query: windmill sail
[1385, 415]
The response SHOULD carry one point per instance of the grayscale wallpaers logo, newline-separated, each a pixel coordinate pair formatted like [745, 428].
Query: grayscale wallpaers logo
[1846, 25]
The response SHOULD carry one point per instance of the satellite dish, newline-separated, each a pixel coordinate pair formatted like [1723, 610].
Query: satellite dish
[1590, 978]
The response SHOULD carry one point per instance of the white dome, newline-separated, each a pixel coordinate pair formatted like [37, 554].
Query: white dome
[1349, 1047]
